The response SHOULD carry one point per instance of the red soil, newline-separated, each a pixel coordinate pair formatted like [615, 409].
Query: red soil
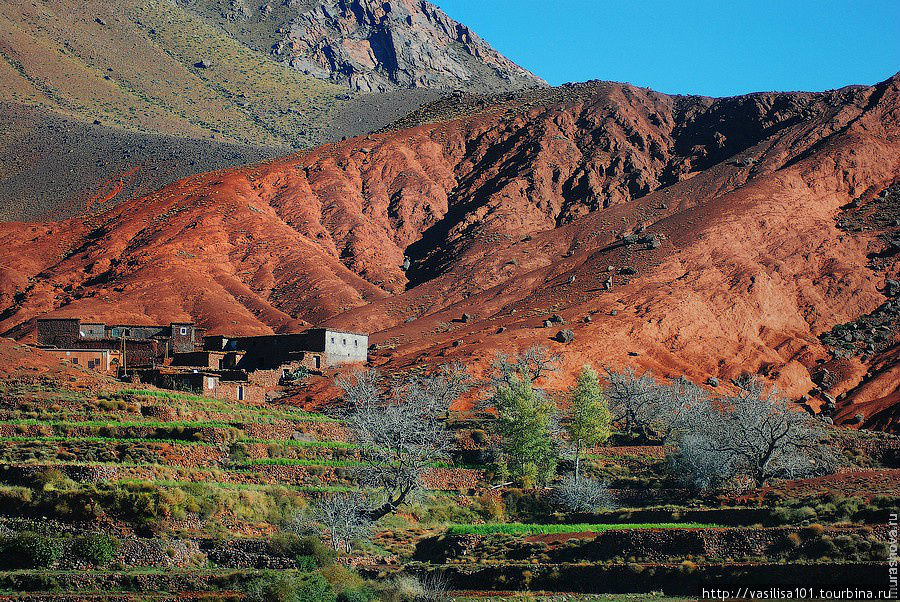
[497, 211]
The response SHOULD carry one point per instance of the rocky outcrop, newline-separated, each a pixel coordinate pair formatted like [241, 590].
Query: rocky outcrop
[376, 46]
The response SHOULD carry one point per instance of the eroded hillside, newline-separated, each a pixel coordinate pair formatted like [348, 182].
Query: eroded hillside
[683, 234]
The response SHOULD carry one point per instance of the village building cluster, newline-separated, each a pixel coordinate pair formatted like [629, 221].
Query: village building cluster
[181, 356]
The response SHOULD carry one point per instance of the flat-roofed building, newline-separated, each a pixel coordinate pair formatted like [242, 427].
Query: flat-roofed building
[101, 360]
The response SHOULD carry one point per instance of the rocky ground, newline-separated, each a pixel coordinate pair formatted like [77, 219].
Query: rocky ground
[371, 46]
[52, 167]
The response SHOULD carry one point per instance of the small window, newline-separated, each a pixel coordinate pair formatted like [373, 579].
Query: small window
[74, 360]
[90, 364]
[126, 332]
[344, 342]
[332, 340]
[183, 330]
[240, 394]
[356, 342]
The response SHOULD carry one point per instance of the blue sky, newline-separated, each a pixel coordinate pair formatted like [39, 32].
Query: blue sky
[711, 47]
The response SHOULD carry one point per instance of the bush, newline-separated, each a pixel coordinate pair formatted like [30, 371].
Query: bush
[583, 495]
[490, 507]
[362, 594]
[99, 549]
[307, 563]
[29, 550]
[288, 588]
[314, 547]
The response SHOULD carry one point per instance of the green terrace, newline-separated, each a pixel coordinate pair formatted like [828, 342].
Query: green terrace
[245, 466]
[236, 486]
[149, 423]
[235, 415]
[319, 471]
[548, 529]
[176, 441]
[199, 400]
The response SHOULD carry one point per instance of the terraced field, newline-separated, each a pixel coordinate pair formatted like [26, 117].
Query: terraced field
[113, 492]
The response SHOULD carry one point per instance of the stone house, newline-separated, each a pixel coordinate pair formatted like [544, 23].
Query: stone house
[141, 345]
[315, 349]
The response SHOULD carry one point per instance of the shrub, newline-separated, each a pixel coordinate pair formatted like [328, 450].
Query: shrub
[814, 530]
[306, 562]
[491, 507]
[30, 550]
[97, 548]
[583, 495]
[362, 594]
[314, 547]
[277, 587]
[409, 588]
[284, 544]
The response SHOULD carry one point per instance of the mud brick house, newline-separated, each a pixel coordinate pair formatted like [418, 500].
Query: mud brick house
[315, 349]
[179, 357]
[101, 360]
[142, 345]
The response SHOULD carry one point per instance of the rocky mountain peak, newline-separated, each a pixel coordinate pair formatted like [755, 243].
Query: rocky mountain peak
[377, 45]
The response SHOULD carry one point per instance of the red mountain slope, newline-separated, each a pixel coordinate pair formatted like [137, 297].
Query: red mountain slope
[497, 209]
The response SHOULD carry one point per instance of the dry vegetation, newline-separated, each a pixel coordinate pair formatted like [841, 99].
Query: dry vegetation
[133, 65]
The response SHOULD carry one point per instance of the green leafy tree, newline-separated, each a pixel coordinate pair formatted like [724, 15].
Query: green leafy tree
[590, 419]
[526, 424]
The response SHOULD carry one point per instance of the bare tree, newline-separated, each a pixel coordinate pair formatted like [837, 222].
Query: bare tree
[533, 363]
[401, 429]
[342, 516]
[583, 495]
[633, 401]
[672, 404]
[754, 435]
[645, 408]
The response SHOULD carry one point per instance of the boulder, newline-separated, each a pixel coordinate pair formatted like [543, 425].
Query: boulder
[892, 287]
[565, 336]
[712, 381]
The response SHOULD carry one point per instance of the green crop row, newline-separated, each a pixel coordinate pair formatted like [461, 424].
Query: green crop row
[537, 529]
[216, 403]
